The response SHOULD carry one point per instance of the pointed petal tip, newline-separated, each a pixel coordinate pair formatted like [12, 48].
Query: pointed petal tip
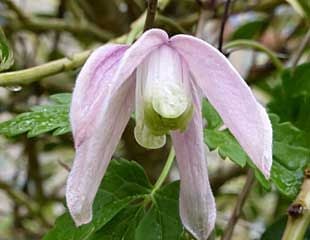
[80, 210]
[203, 233]
[266, 168]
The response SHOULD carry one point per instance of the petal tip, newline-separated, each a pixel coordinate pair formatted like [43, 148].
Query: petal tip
[81, 212]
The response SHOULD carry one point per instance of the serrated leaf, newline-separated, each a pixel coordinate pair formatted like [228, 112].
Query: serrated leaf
[120, 209]
[6, 54]
[42, 119]
[112, 197]
[289, 154]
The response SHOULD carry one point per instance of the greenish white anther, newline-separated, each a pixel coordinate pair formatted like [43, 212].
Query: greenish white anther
[162, 98]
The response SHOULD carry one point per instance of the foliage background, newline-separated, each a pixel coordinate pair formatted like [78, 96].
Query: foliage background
[36, 144]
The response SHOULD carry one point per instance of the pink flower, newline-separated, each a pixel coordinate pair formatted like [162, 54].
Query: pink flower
[163, 80]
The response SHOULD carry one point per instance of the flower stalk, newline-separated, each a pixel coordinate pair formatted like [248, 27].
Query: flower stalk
[164, 174]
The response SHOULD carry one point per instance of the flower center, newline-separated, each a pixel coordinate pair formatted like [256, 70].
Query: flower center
[163, 100]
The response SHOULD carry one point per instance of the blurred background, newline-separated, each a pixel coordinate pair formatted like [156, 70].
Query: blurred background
[33, 171]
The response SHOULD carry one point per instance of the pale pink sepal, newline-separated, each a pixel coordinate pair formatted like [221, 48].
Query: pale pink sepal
[147, 43]
[91, 88]
[197, 205]
[231, 97]
[98, 118]
[102, 102]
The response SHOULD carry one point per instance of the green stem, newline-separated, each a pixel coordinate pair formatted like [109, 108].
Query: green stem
[27, 76]
[30, 75]
[164, 172]
[299, 212]
[257, 46]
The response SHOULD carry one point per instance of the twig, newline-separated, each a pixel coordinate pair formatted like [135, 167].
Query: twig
[60, 14]
[299, 212]
[34, 168]
[20, 14]
[151, 12]
[64, 165]
[300, 49]
[43, 24]
[224, 19]
[238, 208]
[27, 76]
[22, 199]
[30, 75]
[221, 177]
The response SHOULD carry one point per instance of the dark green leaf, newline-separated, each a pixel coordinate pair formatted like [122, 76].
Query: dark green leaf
[42, 119]
[297, 82]
[112, 197]
[125, 210]
[289, 154]
[250, 30]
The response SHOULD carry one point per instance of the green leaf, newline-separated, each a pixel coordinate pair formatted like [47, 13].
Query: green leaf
[125, 210]
[251, 29]
[42, 119]
[290, 156]
[297, 83]
[114, 195]
[6, 54]
[291, 100]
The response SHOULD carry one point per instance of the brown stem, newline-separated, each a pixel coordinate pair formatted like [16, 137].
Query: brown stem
[239, 205]
[39, 24]
[304, 43]
[151, 12]
[299, 212]
[34, 168]
[224, 19]
[221, 177]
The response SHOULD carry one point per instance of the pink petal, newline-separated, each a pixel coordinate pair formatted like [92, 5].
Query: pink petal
[232, 98]
[197, 205]
[98, 116]
[91, 88]
[148, 42]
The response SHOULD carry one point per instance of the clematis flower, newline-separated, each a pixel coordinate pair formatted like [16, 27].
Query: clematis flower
[163, 81]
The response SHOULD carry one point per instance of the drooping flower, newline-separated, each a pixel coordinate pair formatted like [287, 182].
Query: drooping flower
[163, 80]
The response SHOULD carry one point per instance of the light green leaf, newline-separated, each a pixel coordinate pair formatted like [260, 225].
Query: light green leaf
[42, 119]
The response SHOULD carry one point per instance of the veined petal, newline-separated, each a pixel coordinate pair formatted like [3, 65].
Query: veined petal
[92, 85]
[94, 153]
[98, 117]
[147, 43]
[197, 205]
[232, 98]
